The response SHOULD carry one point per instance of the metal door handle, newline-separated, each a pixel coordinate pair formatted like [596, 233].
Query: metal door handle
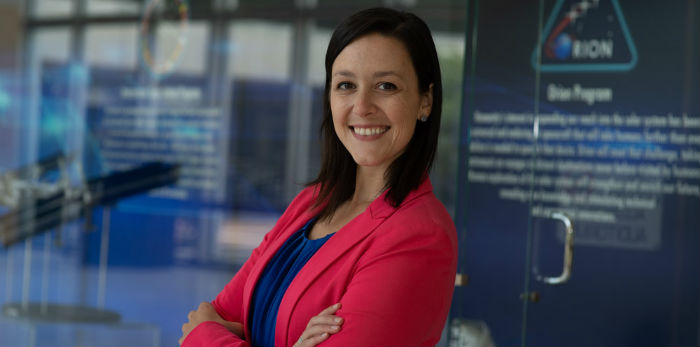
[461, 280]
[568, 251]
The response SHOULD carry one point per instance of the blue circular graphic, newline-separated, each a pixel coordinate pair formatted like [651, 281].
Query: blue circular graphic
[562, 46]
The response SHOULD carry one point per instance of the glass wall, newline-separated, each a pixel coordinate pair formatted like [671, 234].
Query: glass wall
[148, 145]
[229, 90]
[580, 174]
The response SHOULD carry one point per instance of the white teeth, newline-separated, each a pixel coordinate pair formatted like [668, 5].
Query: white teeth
[369, 131]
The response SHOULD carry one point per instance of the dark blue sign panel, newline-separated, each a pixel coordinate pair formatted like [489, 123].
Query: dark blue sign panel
[600, 124]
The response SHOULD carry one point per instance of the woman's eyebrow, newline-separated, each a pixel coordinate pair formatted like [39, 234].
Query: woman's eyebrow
[386, 73]
[347, 73]
[344, 73]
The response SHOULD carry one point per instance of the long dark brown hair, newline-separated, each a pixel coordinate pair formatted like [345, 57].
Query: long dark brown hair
[336, 179]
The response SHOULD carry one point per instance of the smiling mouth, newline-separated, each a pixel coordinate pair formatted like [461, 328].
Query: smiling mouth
[369, 131]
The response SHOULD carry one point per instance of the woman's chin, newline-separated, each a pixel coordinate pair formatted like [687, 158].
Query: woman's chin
[363, 160]
[370, 163]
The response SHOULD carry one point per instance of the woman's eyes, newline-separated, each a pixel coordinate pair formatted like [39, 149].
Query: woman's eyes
[345, 86]
[380, 86]
[386, 86]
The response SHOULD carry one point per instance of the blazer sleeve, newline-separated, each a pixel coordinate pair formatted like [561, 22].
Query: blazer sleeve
[229, 303]
[213, 334]
[401, 291]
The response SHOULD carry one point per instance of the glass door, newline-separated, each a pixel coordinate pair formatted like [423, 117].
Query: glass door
[619, 160]
[579, 182]
[496, 173]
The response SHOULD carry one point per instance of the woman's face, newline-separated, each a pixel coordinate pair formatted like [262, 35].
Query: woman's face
[375, 101]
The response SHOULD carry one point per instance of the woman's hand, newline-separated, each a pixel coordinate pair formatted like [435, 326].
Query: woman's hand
[320, 327]
[206, 312]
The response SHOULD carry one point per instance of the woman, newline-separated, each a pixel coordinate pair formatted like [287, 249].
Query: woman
[366, 255]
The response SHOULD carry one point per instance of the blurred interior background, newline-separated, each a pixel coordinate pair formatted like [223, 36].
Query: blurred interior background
[230, 91]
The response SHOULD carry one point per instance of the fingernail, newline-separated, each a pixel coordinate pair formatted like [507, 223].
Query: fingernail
[335, 327]
[337, 305]
[338, 319]
[324, 335]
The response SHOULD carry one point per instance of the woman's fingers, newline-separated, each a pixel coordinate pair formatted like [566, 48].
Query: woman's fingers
[320, 327]
[330, 310]
[327, 320]
[315, 335]
[312, 341]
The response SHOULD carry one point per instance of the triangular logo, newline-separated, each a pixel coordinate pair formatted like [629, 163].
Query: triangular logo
[586, 35]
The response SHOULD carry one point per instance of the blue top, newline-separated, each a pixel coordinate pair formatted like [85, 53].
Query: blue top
[275, 279]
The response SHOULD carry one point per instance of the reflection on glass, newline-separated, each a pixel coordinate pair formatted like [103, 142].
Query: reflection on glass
[112, 45]
[450, 48]
[112, 7]
[48, 47]
[259, 50]
[318, 42]
[227, 109]
[181, 49]
[53, 8]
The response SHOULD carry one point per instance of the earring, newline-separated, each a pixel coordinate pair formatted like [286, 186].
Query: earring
[424, 119]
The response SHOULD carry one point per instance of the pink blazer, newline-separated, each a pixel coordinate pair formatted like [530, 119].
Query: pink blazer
[393, 270]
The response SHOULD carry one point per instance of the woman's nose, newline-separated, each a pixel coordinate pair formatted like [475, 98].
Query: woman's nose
[363, 103]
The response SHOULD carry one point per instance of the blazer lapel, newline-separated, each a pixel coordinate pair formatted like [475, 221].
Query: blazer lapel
[335, 247]
[343, 240]
[295, 223]
[352, 233]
